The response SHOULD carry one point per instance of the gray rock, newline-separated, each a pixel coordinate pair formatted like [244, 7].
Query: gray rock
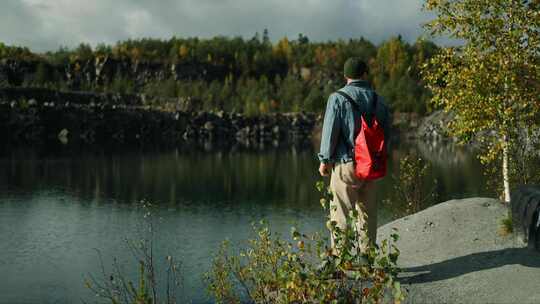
[63, 136]
[209, 126]
[453, 253]
[435, 126]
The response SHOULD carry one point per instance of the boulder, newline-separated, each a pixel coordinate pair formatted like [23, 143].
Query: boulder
[526, 214]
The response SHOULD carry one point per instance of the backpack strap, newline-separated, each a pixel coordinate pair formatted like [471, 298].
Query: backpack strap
[349, 99]
[354, 104]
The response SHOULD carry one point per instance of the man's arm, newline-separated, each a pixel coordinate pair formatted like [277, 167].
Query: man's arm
[330, 134]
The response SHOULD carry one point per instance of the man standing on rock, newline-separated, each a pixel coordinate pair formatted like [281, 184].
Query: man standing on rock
[341, 125]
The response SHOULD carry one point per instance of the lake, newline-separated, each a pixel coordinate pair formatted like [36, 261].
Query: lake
[60, 206]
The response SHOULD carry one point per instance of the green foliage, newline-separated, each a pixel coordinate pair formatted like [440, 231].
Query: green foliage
[83, 52]
[410, 191]
[491, 81]
[525, 160]
[524, 165]
[3, 81]
[304, 270]
[41, 73]
[15, 52]
[395, 73]
[507, 226]
[248, 95]
[152, 286]
[249, 75]
[61, 57]
[122, 85]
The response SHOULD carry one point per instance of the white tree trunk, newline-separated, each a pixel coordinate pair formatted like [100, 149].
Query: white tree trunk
[506, 177]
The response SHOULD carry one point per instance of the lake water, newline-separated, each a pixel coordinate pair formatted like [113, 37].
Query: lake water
[59, 206]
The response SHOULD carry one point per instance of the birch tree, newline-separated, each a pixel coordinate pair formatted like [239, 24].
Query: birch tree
[491, 79]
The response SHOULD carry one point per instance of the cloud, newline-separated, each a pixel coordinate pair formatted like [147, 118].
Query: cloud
[49, 24]
[17, 23]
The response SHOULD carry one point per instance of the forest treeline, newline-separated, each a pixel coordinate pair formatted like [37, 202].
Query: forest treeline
[253, 75]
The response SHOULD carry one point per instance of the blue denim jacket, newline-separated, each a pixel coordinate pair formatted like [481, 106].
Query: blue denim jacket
[342, 121]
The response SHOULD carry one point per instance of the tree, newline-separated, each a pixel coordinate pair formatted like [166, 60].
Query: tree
[266, 37]
[84, 52]
[489, 81]
[395, 77]
[42, 74]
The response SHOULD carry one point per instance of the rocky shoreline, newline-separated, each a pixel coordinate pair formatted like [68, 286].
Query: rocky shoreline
[40, 115]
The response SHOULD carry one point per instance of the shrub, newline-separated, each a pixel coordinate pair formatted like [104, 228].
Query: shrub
[151, 286]
[409, 189]
[507, 226]
[303, 269]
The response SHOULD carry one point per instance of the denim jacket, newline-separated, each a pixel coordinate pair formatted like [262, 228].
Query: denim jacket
[342, 121]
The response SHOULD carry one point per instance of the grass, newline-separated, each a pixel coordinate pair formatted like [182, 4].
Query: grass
[507, 226]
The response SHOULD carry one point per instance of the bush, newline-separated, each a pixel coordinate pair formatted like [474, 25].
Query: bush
[409, 189]
[523, 165]
[150, 286]
[304, 269]
[507, 226]
[122, 85]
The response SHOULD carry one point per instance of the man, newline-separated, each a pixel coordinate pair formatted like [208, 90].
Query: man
[341, 125]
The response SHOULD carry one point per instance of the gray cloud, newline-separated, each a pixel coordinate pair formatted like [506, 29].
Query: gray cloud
[49, 24]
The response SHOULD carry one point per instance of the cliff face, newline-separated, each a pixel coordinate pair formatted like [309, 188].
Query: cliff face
[102, 70]
[41, 95]
[30, 114]
[40, 115]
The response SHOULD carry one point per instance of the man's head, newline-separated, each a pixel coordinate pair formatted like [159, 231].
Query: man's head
[355, 68]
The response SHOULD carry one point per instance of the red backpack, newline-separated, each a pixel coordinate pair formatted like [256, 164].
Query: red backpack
[369, 145]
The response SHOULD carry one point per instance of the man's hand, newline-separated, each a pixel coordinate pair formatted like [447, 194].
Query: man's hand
[324, 169]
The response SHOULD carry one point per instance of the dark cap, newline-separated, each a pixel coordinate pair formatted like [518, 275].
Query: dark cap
[354, 68]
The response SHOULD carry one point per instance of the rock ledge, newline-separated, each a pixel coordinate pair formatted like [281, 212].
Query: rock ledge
[453, 253]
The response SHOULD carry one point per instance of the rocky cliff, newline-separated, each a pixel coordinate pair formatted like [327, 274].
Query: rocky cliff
[40, 115]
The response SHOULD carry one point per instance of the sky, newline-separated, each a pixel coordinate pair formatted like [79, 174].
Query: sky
[48, 24]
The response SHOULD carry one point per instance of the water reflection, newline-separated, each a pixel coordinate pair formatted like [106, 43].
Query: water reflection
[57, 205]
[169, 177]
[279, 176]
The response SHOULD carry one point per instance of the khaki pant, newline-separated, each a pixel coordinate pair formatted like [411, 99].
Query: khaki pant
[349, 192]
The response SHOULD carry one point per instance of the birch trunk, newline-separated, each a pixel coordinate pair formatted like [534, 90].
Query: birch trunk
[505, 172]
